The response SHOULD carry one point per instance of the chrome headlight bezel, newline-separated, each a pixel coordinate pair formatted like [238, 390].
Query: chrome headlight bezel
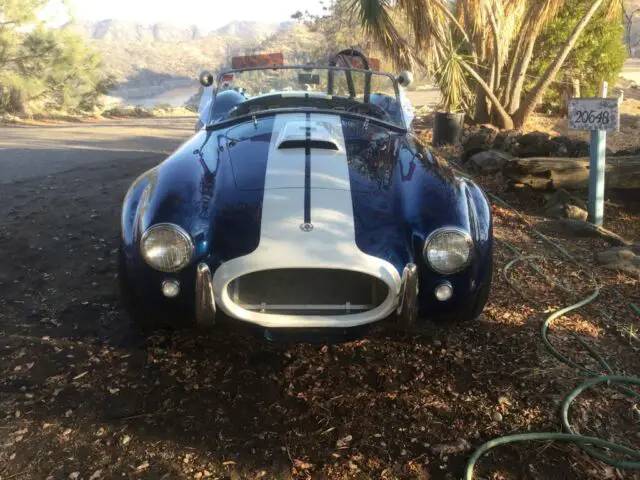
[173, 229]
[448, 230]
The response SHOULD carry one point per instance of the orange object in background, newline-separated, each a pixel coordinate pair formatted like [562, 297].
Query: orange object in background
[356, 62]
[265, 60]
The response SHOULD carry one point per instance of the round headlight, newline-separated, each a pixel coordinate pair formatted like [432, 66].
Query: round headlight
[448, 250]
[166, 247]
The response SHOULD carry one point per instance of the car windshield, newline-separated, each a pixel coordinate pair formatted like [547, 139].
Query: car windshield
[364, 92]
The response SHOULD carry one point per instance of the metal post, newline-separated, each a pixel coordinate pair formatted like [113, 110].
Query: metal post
[596, 170]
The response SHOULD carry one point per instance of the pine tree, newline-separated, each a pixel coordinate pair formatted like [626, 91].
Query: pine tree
[41, 67]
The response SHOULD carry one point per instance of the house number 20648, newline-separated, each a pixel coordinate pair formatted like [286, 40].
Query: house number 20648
[592, 116]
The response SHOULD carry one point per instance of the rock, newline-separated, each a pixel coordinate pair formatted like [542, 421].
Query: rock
[506, 141]
[626, 259]
[490, 161]
[564, 205]
[478, 141]
[534, 144]
[496, 417]
[451, 449]
[575, 213]
[564, 146]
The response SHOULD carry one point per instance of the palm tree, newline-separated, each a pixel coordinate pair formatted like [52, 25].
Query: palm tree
[451, 39]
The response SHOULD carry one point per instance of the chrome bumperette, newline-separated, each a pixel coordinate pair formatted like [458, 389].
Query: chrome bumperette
[205, 301]
[407, 310]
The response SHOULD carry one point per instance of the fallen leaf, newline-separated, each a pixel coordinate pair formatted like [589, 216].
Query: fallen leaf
[96, 475]
[78, 377]
[344, 442]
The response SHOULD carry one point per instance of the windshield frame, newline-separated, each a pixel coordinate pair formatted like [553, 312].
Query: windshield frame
[329, 69]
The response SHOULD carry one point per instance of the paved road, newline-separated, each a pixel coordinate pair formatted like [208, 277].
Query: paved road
[36, 151]
[28, 152]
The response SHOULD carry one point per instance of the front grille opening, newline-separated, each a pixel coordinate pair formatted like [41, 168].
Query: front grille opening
[308, 291]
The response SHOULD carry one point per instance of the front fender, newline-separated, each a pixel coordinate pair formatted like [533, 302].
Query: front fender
[433, 197]
[176, 191]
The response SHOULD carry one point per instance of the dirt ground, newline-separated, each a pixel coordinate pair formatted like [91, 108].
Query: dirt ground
[84, 396]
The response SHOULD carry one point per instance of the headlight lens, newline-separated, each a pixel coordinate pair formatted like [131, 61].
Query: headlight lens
[448, 250]
[166, 247]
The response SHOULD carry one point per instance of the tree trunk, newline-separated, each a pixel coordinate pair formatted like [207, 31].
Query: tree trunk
[534, 96]
[520, 74]
[513, 61]
[506, 121]
[497, 49]
[481, 114]
[545, 173]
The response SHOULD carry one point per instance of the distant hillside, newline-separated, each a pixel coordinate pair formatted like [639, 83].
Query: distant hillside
[148, 59]
[124, 31]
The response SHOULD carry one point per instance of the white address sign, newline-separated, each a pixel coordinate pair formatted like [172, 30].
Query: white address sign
[594, 114]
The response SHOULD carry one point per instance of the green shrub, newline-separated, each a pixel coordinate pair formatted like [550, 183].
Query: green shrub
[43, 69]
[599, 55]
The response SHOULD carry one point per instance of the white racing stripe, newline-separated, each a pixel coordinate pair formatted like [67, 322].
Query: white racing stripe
[284, 243]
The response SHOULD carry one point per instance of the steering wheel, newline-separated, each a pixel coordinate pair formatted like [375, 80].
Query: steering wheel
[344, 55]
[349, 52]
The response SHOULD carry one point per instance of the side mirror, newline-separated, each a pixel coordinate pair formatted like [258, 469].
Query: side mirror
[405, 79]
[206, 79]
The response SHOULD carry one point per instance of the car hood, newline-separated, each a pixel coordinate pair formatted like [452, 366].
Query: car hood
[313, 151]
[295, 182]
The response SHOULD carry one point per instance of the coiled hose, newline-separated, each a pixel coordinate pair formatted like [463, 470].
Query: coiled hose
[583, 442]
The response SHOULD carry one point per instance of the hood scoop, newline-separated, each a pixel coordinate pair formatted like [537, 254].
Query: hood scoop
[301, 134]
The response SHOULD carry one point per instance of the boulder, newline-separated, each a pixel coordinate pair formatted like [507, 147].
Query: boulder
[564, 205]
[626, 259]
[506, 141]
[490, 161]
[564, 146]
[534, 144]
[479, 141]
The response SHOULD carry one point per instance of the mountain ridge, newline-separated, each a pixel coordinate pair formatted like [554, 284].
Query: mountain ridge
[112, 29]
[156, 57]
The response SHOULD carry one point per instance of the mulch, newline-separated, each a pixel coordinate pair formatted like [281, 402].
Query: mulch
[83, 396]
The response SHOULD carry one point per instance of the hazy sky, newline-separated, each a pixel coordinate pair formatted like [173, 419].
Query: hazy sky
[211, 13]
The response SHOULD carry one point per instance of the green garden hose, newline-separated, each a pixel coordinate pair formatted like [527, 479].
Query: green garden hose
[583, 442]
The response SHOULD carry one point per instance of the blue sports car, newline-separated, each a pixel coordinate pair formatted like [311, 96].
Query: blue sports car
[304, 206]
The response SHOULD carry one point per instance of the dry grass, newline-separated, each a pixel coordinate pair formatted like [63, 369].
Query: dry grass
[119, 112]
